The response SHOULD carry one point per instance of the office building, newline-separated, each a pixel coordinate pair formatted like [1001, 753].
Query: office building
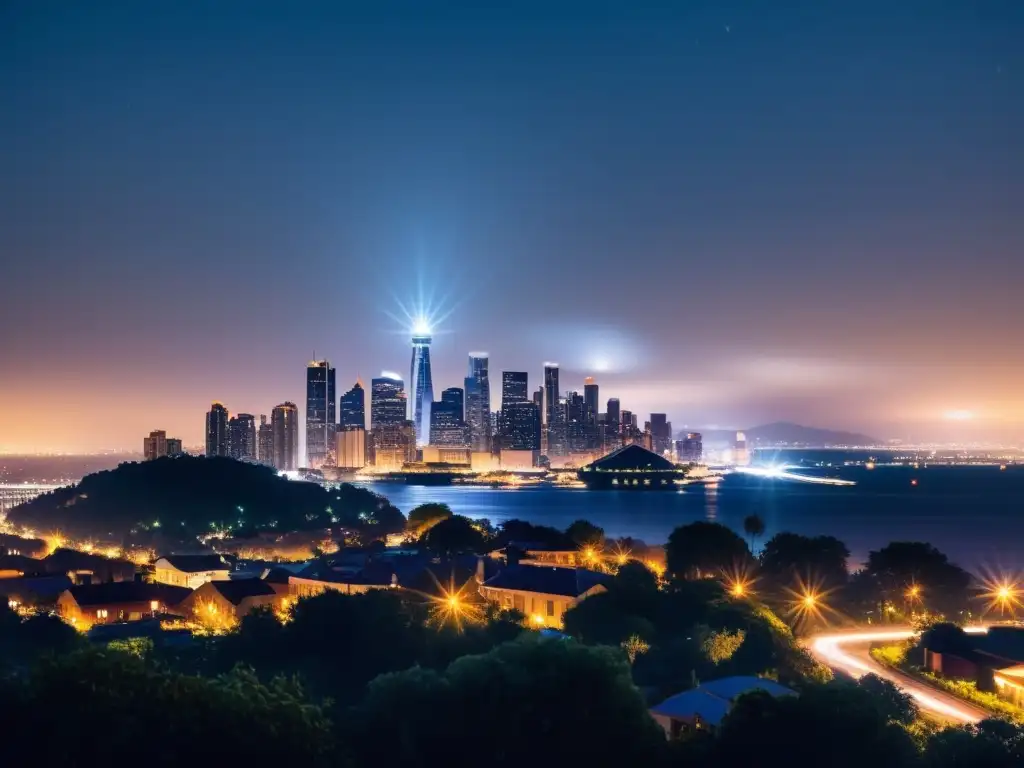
[265, 442]
[690, 448]
[242, 437]
[740, 451]
[217, 430]
[590, 413]
[447, 426]
[554, 416]
[320, 413]
[575, 423]
[387, 401]
[514, 387]
[394, 445]
[478, 403]
[284, 421]
[520, 426]
[613, 424]
[661, 434]
[421, 385]
[158, 445]
[350, 447]
[352, 407]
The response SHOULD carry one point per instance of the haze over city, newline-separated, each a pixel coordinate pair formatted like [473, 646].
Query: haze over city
[732, 213]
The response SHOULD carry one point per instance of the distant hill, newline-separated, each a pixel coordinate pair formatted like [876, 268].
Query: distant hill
[784, 433]
[186, 496]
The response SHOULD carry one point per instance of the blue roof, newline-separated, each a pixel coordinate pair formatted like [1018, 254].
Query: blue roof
[732, 687]
[712, 700]
[570, 582]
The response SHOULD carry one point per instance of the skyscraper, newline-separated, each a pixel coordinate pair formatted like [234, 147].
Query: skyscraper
[514, 387]
[575, 423]
[690, 448]
[320, 413]
[521, 426]
[478, 402]
[284, 421]
[352, 407]
[613, 422]
[554, 435]
[421, 385]
[447, 426]
[387, 401]
[351, 447]
[158, 445]
[661, 433]
[590, 412]
[242, 437]
[265, 442]
[217, 430]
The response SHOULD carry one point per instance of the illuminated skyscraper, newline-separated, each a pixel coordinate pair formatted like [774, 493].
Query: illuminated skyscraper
[387, 401]
[691, 448]
[554, 435]
[447, 426]
[575, 423]
[351, 447]
[661, 433]
[478, 402]
[590, 412]
[284, 421]
[613, 422]
[320, 413]
[352, 408]
[514, 387]
[520, 426]
[217, 430]
[265, 442]
[242, 437]
[421, 385]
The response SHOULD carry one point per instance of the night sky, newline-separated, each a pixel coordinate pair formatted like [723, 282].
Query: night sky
[733, 212]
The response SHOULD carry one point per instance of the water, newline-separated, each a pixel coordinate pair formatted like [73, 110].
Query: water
[975, 514]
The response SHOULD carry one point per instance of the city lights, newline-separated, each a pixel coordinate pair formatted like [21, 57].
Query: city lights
[1003, 594]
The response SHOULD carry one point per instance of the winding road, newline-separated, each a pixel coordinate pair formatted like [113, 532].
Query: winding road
[848, 652]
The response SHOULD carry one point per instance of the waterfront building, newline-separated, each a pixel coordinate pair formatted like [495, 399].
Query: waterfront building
[661, 433]
[542, 594]
[591, 411]
[158, 445]
[632, 467]
[421, 385]
[520, 427]
[553, 436]
[242, 437]
[387, 401]
[350, 447]
[478, 403]
[740, 452]
[320, 413]
[394, 445]
[191, 571]
[690, 448]
[284, 423]
[447, 427]
[265, 442]
[217, 430]
[352, 407]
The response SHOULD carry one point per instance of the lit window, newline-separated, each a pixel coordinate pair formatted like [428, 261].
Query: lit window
[154, 605]
[551, 607]
[101, 613]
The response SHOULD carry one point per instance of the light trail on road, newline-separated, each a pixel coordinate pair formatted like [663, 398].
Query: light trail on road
[832, 650]
[783, 473]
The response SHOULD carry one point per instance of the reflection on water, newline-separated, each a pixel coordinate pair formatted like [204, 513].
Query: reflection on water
[711, 502]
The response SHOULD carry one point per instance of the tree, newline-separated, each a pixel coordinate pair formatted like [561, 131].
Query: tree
[574, 704]
[989, 744]
[818, 561]
[945, 637]
[126, 705]
[753, 526]
[835, 724]
[902, 565]
[720, 645]
[453, 536]
[702, 549]
[585, 534]
[895, 705]
[426, 515]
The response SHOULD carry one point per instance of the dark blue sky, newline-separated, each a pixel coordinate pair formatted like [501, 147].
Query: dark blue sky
[736, 212]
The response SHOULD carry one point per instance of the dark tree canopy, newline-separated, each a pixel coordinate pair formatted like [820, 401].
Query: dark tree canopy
[585, 534]
[704, 549]
[452, 536]
[425, 515]
[944, 586]
[183, 496]
[522, 531]
[818, 560]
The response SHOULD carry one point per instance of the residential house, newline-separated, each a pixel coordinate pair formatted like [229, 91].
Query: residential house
[538, 553]
[706, 705]
[317, 579]
[34, 591]
[225, 602]
[19, 545]
[14, 566]
[88, 568]
[542, 594]
[115, 601]
[994, 660]
[190, 571]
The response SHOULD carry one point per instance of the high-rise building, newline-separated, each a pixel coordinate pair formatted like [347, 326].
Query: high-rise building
[514, 387]
[447, 426]
[613, 423]
[320, 413]
[575, 423]
[352, 407]
[740, 452]
[590, 413]
[661, 433]
[421, 385]
[284, 421]
[478, 402]
[538, 400]
[394, 445]
[387, 401]
[554, 436]
[520, 426]
[217, 430]
[351, 447]
[242, 437]
[265, 442]
[690, 448]
[158, 445]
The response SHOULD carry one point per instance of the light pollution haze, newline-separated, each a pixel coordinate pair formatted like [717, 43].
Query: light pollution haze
[735, 213]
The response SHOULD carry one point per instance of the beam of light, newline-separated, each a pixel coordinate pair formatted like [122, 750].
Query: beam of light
[830, 650]
[621, 554]
[424, 314]
[782, 473]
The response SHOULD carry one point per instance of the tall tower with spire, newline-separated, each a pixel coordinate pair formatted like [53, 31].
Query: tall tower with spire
[421, 384]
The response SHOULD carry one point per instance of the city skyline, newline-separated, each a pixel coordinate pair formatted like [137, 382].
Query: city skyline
[749, 214]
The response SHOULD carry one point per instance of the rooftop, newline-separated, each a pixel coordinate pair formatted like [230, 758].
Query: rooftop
[236, 591]
[712, 700]
[569, 582]
[197, 563]
[128, 592]
[634, 457]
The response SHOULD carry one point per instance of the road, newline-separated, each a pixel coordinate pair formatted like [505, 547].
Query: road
[848, 652]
